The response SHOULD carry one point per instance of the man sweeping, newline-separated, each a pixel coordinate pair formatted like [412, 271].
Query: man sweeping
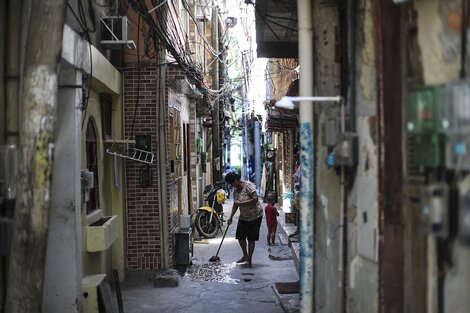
[251, 215]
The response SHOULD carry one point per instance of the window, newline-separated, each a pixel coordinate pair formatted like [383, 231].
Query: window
[106, 115]
[92, 165]
[175, 149]
[186, 153]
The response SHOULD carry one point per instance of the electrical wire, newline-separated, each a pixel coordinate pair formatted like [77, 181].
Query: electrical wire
[88, 38]
[268, 19]
[138, 79]
[166, 32]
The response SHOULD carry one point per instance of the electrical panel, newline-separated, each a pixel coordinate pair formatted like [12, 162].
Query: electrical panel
[436, 210]
[424, 125]
[455, 123]
[464, 218]
[183, 247]
[331, 127]
[143, 142]
[6, 230]
[345, 152]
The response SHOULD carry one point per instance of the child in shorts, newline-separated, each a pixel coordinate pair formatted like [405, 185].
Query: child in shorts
[271, 220]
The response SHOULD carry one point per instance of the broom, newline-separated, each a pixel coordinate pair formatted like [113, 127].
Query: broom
[215, 258]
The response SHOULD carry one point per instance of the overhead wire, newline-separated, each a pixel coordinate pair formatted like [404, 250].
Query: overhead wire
[166, 31]
[87, 31]
[136, 107]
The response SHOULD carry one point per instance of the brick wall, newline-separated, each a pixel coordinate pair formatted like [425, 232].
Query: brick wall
[143, 226]
[143, 218]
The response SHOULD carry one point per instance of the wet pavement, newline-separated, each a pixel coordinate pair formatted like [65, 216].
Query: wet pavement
[220, 286]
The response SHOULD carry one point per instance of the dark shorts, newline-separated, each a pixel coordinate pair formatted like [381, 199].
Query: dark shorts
[248, 229]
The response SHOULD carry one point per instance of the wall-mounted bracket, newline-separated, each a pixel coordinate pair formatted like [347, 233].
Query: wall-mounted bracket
[126, 149]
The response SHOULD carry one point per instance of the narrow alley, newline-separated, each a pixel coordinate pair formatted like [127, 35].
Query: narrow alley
[133, 132]
[222, 286]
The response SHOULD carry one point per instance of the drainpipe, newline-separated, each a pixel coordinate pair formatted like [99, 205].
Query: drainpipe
[12, 72]
[343, 230]
[3, 16]
[304, 11]
[257, 154]
[3, 270]
[161, 159]
[216, 161]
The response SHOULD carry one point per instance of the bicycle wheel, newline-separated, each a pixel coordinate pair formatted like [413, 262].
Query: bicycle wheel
[206, 227]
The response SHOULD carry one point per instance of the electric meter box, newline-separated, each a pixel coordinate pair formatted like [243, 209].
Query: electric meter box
[331, 127]
[436, 210]
[345, 152]
[464, 218]
[423, 123]
[8, 172]
[455, 123]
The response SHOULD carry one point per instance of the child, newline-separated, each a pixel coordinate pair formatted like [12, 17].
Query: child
[271, 220]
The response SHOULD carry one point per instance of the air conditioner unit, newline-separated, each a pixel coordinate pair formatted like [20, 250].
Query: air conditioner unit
[114, 32]
[200, 16]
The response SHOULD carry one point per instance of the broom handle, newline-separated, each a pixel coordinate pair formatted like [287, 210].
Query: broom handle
[222, 241]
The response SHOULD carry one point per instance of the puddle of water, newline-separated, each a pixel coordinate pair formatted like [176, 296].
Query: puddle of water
[213, 272]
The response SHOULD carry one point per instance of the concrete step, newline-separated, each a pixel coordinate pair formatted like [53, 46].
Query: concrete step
[290, 303]
[283, 239]
[287, 229]
[295, 247]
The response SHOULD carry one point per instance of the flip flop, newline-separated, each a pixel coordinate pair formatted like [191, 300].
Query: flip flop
[242, 260]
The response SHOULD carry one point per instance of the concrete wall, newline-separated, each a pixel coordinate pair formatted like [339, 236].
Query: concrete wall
[363, 198]
[327, 184]
[64, 249]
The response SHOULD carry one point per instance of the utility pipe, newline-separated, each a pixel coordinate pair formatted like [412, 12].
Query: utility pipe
[3, 24]
[304, 11]
[162, 161]
[216, 161]
[342, 223]
[3, 6]
[257, 154]
[12, 71]
[288, 102]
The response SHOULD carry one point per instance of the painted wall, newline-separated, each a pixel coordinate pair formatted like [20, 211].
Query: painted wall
[66, 253]
[105, 79]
